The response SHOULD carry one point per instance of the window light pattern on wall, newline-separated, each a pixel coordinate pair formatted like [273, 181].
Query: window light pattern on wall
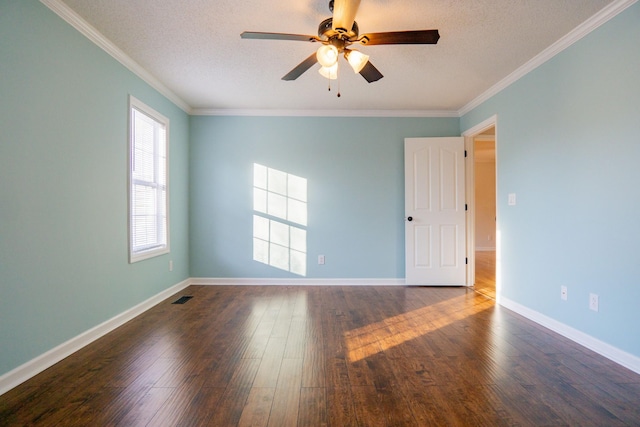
[280, 200]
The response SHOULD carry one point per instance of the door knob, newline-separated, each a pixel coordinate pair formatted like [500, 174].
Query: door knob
[410, 218]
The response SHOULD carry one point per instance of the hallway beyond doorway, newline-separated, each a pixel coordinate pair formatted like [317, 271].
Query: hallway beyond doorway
[486, 273]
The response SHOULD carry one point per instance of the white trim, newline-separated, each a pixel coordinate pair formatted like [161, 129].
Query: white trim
[87, 30]
[610, 352]
[482, 126]
[469, 136]
[77, 22]
[141, 107]
[573, 36]
[323, 113]
[33, 367]
[221, 281]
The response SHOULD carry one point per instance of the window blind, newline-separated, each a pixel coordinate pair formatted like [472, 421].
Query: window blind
[148, 222]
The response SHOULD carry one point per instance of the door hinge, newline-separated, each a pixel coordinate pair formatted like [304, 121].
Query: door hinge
[466, 207]
[465, 153]
[466, 261]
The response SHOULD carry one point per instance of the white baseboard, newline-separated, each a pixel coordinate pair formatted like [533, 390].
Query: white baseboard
[33, 367]
[215, 281]
[621, 357]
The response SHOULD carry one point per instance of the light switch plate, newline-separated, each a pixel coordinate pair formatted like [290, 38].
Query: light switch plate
[512, 199]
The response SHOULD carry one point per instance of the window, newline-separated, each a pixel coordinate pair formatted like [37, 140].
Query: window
[148, 196]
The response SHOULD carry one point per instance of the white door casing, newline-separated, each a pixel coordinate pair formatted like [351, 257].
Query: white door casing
[435, 218]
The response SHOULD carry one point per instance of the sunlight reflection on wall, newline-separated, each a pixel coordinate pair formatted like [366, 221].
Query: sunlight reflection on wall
[280, 200]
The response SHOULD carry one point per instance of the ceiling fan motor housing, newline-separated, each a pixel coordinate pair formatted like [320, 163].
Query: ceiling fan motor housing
[326, 32]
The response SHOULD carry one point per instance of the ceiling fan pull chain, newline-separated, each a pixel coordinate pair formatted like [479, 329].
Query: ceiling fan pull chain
[338, 76]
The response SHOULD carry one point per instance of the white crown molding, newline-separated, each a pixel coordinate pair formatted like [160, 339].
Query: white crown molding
[573, 36]
[324, 113]
[86, 29]
[610, 352]
[33, 367]
[73, 19]
[221, 281]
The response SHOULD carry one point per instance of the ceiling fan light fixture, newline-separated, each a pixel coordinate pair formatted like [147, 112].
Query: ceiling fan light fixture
[356, 59]
[330, 73]
[327, 55]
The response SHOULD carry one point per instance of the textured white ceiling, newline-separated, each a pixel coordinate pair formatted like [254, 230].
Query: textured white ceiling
[194, 48]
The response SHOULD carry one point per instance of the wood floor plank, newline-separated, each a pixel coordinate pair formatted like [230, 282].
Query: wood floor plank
[237, 391]
[256, 411]
[429, 407]
[368, 410]
[485, 282]
[341, 407]
[141, 411]
[334, 356]
[270, 363]
[618, 401]
[286, 399]
[312, 411]
[573, 406]
[296, 339]
[258, 342]
[313, 369]
[202, 407]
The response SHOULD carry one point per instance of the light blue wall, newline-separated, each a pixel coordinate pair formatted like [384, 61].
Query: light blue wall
[354, 168]
[568, 145]
[63, 185]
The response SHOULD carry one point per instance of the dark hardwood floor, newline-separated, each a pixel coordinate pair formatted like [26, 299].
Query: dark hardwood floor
[328, 356]
[486, 273]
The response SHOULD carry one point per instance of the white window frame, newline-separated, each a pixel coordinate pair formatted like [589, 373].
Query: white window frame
[161, 244]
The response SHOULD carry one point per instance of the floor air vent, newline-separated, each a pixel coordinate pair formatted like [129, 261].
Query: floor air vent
[182, 300]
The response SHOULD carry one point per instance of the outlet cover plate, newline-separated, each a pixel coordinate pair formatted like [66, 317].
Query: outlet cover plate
[593, 302]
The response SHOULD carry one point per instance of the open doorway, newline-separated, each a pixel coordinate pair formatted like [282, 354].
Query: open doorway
[484, 187]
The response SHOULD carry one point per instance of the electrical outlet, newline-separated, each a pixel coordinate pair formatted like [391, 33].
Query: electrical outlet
[321, 259]
[593, 302]
[563, 293]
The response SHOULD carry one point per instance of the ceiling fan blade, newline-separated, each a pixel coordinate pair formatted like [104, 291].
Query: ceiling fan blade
[344, 13]
[278, 36]
[370, 73]
[401, 37]
[301, 67]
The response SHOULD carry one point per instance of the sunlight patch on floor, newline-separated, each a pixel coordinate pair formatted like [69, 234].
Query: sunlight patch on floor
[393, 331]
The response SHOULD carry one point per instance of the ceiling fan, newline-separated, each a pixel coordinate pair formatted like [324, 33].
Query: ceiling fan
[337, 34]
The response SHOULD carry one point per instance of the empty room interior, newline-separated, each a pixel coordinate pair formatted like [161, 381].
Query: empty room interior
[197, 228]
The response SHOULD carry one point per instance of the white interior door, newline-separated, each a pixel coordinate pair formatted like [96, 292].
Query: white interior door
[435, 211]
